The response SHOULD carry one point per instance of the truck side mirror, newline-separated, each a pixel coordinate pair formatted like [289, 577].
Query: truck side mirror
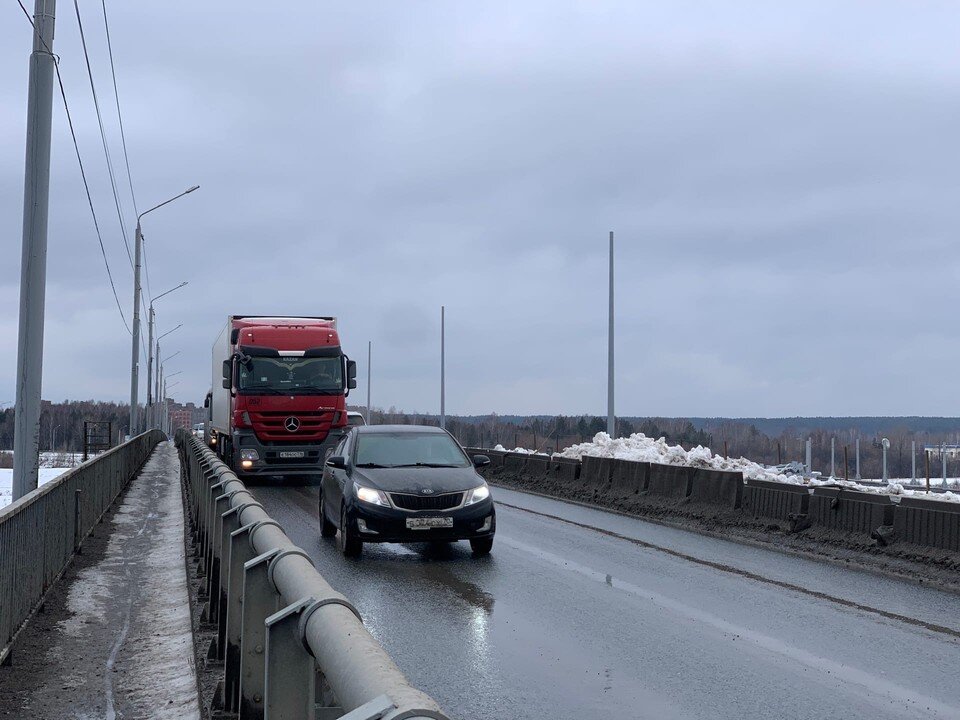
[351, 369]
[206, 401]
[227, 370]
[226, 383]
[352, 384]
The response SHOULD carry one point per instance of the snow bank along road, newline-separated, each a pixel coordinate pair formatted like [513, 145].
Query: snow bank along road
[581, 613]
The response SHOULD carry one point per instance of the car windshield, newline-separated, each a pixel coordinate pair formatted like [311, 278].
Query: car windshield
[387, 449]
[292, 375]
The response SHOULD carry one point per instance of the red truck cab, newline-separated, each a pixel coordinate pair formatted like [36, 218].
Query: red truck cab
[280, 404]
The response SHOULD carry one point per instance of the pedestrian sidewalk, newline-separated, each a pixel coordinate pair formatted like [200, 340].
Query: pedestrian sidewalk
[115, 638]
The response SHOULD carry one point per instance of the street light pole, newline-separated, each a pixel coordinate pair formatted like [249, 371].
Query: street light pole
[443, 398]
[611, 417]
[33, 264]
[135, 350]
[369, 358]
[151, 317]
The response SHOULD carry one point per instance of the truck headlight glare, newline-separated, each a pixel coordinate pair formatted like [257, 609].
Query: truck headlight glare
[249, 454]
[374, 497]
[477, 494]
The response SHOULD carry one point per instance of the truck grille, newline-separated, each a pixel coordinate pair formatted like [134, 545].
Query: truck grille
[314, 424]
[427, 502]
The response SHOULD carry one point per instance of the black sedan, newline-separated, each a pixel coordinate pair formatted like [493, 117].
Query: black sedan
[404, 483]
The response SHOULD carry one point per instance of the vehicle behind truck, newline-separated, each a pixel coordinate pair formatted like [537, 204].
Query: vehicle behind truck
[278, 401]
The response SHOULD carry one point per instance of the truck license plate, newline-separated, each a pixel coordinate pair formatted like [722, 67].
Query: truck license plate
[291, 453]
[425, 523]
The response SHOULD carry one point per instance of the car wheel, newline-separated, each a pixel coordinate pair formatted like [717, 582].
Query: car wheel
[327, 528]
[481, 546]
[350, 545]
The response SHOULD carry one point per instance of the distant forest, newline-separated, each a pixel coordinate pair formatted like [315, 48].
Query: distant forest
[764, 440]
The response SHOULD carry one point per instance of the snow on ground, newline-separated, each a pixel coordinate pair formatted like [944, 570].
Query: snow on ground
[639, 448]
[6, 481]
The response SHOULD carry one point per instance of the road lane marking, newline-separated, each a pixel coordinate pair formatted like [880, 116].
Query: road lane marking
[880, 689]
[933, 627]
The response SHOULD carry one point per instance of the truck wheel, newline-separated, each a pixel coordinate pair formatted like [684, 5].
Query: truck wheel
[327, 528]
[350, 545]
[481, 546]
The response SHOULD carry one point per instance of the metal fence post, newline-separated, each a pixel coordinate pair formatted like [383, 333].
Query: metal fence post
[239, 554]
[229, 523]
[259, 602]
[290, 672]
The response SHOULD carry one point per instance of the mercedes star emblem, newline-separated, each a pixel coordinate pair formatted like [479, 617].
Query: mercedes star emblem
[292, 424]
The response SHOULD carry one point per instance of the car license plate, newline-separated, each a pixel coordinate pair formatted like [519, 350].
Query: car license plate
[291, 453]
[425, 523]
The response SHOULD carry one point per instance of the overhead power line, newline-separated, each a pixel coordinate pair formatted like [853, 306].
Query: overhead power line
[83, 174]
[103, 134]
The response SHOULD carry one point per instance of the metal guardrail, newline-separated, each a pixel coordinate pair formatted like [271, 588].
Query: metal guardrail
[291, 646]
[40, 532]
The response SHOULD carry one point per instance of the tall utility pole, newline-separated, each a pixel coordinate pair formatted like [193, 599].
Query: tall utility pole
[33, 263]
[611, 418]
[443, 397]
[369, 358]
[135, 347]
[149, 408]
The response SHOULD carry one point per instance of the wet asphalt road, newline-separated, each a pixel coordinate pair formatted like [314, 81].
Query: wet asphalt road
[582, 614]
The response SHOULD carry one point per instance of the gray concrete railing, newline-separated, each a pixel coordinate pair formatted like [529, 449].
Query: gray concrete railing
[40, 532]
[291, 646]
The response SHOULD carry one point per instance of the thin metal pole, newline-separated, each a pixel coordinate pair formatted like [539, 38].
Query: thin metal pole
[611, 417]
[33, 264]
[913, 462]
[857, 477]
[150, 317]
[369, 359]
[809, 456]
[943, 462]
[135, 346]
[157, 374]
[833, 448]
[443, 398]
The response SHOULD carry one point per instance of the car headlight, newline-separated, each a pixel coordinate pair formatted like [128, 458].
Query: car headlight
[477, 494]
[249, 455]
[374, 497]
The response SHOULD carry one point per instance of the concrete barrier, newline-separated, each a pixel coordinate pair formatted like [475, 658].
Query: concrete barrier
[850, 511]
[717, 487]
[564, 470]
[537, 467]
[595, 473]
[931, 523]
[513, 463]
[670, 481]
[629, 477]
[775, 501]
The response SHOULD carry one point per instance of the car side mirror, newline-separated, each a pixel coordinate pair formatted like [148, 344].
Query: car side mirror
[337, 461]
[226, 383]
[480, 461]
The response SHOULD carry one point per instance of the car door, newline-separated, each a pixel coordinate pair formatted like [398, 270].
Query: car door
[332, 483]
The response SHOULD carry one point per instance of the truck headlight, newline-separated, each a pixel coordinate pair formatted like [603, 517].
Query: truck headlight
[477, 494]
[249, 454]
[374, 497]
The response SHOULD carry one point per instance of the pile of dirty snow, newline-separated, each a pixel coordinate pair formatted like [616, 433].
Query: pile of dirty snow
[639, 448]
[524, 451]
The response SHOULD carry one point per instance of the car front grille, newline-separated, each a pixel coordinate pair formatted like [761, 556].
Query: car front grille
[446, 501]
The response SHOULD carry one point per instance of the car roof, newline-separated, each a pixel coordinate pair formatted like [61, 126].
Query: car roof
[365, 429]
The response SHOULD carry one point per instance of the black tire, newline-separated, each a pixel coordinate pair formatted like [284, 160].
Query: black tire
[327, 528]
[348, 543]
[481, 546]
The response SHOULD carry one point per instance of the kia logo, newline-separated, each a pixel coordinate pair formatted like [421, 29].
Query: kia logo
[292, 424]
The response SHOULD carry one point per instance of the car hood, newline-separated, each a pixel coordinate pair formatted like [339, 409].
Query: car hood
[414, 480]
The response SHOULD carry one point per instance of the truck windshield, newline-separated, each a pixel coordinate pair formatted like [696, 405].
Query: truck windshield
[292, 375]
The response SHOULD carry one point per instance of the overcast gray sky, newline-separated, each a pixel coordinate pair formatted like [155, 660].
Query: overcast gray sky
[782, 178]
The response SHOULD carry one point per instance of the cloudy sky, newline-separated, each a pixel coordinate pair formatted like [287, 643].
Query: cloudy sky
[782, 178]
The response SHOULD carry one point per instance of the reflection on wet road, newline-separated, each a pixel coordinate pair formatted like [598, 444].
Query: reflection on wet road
[633, 620]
